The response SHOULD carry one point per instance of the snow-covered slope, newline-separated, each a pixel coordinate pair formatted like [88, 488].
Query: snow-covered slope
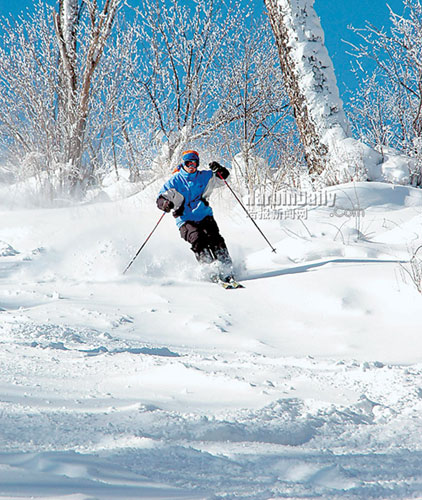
[305, 384]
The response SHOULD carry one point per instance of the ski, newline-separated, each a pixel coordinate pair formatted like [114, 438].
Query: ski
[227, 284]
[231, 285]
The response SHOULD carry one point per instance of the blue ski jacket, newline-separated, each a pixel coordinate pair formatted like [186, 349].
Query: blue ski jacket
[195, 188]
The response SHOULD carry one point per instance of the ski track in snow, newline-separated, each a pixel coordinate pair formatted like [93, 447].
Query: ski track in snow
[305, 384]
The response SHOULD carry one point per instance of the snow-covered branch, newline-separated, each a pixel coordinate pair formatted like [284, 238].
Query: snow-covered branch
[310, 81]
[386, 109]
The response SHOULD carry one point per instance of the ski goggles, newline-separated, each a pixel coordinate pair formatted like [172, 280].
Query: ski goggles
[191, 164]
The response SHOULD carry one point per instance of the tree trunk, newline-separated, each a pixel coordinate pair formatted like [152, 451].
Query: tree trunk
[77, 85]
[309, 79]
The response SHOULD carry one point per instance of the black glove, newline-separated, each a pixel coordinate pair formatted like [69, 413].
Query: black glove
[219, 170]
[164, 205]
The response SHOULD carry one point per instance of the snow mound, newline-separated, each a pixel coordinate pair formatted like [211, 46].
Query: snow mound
[6, 250]
[376, 195]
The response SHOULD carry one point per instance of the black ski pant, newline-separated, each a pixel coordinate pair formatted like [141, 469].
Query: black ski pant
[206, 241]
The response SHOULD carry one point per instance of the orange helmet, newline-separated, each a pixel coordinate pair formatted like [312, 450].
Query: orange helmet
[190, 155]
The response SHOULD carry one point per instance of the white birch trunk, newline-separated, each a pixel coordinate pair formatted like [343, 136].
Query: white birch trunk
[313, 92]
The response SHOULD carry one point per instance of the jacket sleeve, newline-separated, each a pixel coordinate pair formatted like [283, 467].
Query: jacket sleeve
[213, 183]
[169, 192]
[171, 195]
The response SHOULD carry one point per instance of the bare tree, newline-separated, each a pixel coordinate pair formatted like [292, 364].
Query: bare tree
[280, 14]
[54, 103]
[113, 111]
[387, 108]
[29, 87]
[179, 80]
[311, 85]
[76, 76]
[256, 97]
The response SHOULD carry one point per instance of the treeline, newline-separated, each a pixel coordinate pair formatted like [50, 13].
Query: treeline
[86, 89]
[89, 88]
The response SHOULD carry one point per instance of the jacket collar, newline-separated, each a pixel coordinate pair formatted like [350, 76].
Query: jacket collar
[187, 175]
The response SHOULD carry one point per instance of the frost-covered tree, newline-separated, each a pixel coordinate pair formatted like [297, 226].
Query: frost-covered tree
[29, 129]
[78, 97]
[50, 86]
[330, 149]
[179, 83]
[113, 112]
[77, 68]
[309, 77]
[256, 97]
[386, 111]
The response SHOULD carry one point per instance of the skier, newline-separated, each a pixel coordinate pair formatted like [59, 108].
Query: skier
[187, 193]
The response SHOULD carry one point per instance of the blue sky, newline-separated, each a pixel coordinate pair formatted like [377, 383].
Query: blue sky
[335, 15]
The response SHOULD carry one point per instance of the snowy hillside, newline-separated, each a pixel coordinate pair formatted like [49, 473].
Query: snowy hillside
[305, 384]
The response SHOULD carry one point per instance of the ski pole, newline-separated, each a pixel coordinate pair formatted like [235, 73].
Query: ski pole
[144, 243]
[247, 213]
